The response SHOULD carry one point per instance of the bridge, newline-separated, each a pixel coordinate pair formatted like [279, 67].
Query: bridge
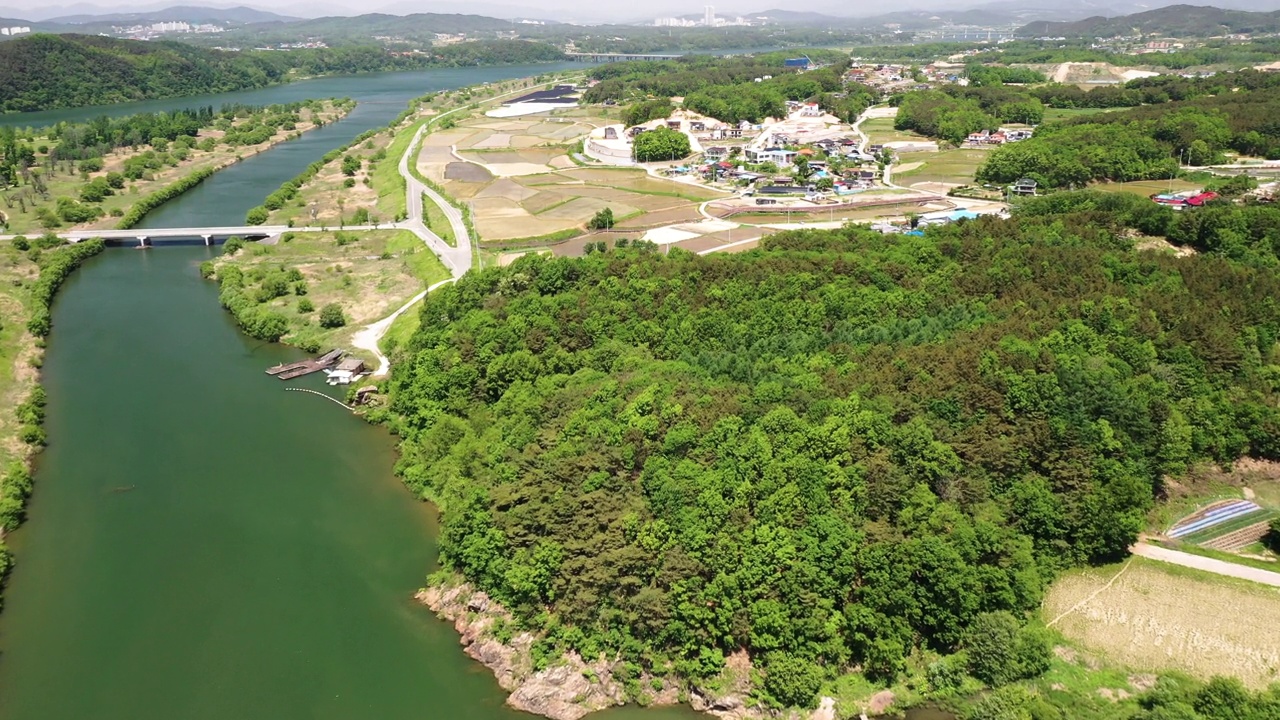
[617, 57]
[210, 235]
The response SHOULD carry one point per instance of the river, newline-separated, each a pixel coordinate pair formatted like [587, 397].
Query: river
[202, 543]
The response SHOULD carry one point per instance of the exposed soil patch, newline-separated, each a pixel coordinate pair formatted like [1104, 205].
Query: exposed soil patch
[466, 172]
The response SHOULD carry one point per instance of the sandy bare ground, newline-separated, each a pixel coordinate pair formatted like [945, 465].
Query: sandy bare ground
[1217, 567]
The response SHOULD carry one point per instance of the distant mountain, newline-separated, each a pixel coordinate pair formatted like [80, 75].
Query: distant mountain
[186, 13]
[796, 17]
[382, 24]
[43, 72]
[1170, 21]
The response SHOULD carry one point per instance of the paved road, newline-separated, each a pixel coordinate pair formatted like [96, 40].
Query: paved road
[1217, 567]
[457, 259]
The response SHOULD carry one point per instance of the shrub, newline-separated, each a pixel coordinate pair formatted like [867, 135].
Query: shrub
[331, 316]
[305, 305]
[232, 245]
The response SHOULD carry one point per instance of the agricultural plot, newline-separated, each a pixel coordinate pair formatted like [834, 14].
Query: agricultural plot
[1154, 617]
[1224, 525]
[520, 183]
[881, 131]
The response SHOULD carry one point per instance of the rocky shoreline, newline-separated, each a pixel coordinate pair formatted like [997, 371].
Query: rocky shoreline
[573, 687]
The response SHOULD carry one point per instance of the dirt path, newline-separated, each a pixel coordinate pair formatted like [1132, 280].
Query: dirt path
[368, 338]
[1217, 567]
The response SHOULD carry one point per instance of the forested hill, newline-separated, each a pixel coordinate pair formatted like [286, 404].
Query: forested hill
[829, 451]
[1171, 21]
[42, 72]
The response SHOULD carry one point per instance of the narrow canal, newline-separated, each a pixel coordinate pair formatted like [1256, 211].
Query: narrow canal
[202, 543]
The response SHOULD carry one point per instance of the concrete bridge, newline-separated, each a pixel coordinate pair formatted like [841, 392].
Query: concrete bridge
[617, 57]
[210, 235]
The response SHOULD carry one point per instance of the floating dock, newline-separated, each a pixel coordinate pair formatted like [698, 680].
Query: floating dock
[289, 371]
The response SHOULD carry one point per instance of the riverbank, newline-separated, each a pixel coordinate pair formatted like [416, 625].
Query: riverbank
[360, 180]
[29, 278]
[365, 275]
[119, 187]
[569, 687]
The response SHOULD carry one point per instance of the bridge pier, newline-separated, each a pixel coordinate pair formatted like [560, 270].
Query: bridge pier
[142, 241]
[208, 239]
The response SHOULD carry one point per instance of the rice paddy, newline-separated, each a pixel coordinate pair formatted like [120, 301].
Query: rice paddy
[520, 182]
[1157, 617]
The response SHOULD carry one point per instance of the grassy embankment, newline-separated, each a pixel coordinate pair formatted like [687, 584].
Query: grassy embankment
[29, 278]
[166, 164]
[367, 274]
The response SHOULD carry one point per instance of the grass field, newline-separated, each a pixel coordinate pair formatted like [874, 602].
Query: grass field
[1156, 616]
[370, 274]
[62, 182]
[880, 131]
[1051, 114]
[1146, 188]
[954, 167]
[436, 221]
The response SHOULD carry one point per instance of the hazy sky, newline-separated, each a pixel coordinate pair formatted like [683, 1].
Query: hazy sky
[591, 10]
[595, 10]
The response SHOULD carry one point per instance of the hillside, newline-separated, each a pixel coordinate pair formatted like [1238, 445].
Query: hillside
[1172, 21]
[189, 13]
[833, 452]
[41, 72]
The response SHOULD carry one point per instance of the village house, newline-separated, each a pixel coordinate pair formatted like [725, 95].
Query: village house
[716, 153]
[1024, 186]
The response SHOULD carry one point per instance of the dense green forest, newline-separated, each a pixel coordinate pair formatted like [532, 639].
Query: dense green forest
[951, 114]
[1170, 21]
[1212, 52]
[1194, 121]
[43, 72]
[726, 88]
[836, 449]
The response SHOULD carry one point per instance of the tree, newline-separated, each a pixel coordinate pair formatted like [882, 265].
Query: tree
[602, 220]
[790, 680]
[644, 111]
[256, 216]
[331, 316]
[660, 144]
[350, 165]
[1000, 651]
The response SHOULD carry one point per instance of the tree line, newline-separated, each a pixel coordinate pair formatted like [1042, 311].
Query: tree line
[730, 89]
[43, 72]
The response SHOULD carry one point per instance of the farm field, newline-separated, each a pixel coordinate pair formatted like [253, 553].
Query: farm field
[1158, 617]
[1147, 188]
[953, 167]
[521, 185]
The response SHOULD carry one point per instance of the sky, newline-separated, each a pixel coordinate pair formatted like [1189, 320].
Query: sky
[585, 10]
[591, 10]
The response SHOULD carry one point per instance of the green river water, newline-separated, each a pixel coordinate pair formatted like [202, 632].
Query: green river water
[203, 543]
